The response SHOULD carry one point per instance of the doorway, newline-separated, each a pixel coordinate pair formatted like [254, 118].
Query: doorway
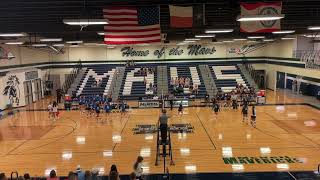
[27, 85]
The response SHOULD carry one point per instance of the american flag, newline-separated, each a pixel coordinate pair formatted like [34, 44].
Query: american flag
[132, 25]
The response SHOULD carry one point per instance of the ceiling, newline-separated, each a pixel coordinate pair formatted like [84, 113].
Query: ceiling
[44, 17]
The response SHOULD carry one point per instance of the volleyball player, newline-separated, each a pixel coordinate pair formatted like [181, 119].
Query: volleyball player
[245, 113]
[97, 109]
[107, 109]
[81, 104]
[50, 108]
[215, 107]
[87, 107]
[180, 109]
[253, 116]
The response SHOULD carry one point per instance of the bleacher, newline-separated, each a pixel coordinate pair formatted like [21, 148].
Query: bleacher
[227, 77]
[187, 70]
[104, 73]
[133, 86]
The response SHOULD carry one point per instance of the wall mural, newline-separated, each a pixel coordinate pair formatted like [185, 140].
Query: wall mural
[5, 54]
[12, 90]
[192, 50]
[245, 49]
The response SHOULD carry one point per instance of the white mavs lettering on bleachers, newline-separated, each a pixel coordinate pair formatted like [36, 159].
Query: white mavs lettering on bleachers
[97, 77]
[131, 78]
[220, 76]
[194, 80]
[194, 76]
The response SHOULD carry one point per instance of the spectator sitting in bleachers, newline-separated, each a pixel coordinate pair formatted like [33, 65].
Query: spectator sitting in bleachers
[99, 83]
[187, 82]
[95, 83]
[195, 89]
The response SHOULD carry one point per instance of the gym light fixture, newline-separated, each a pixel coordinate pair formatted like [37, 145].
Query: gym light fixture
[240, 39]
[314, 27]
[100, 33]
[219, 30]
[260, 17]
[74, 42]
[14, 43]
[192, 39]
[205, 36]
[12, 34]
[181, 43]
[85, 22]
[268, 40]
[284, 32]
[311, 36]
[189, 41]
[255, 37]
[51, 40]
[287, 38]
[58, 45]
[39, 45]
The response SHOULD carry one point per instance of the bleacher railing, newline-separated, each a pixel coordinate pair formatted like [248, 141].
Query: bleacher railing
[310, 57]
[251, 70]
[70, 77]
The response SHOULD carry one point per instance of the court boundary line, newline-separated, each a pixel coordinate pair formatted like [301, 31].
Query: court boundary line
[215, 148]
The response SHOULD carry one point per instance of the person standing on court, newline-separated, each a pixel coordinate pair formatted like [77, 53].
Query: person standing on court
[59, 95]
[138, 170]
[163, 120]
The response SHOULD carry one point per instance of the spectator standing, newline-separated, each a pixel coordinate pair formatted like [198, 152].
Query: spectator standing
[3, 176]
[138, 167]
[113, 174]
[53, 175]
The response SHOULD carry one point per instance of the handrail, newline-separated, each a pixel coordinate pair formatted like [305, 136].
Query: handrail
[70, 77]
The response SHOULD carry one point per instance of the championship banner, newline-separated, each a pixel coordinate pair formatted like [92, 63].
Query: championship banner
[260, 8]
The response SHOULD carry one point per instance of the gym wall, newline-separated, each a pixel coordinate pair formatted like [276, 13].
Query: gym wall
[272, 69]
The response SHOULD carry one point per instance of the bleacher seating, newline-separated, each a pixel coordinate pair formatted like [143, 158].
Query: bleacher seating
[133, 85]
[227, 77]
[190, 71]
[96, 73]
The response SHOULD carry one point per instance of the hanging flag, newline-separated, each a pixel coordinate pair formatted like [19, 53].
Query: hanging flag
[260, 8]
[132, 25]
[181, 17]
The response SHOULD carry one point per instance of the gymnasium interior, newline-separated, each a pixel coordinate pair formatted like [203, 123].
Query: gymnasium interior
[159, 89]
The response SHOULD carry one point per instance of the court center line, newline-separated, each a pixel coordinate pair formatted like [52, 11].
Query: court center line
[125, 124]
[215, 148]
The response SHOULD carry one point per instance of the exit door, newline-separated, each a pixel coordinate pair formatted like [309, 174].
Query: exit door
[281, 79]
[37, 89]
[28, 92]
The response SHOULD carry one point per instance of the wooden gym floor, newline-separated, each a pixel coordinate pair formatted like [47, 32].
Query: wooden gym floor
[30, 142]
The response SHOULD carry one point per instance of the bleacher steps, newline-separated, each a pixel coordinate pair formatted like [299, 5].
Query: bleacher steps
[249, 78]
[117, 81]
[162, 80]
[208, 80]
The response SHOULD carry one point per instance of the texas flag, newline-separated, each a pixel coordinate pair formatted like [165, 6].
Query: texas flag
[181, 17]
